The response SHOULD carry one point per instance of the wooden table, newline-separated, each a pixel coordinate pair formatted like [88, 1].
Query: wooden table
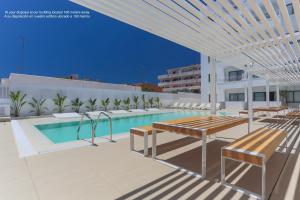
[269, 109]
[294, 115]
[246, 112]
[197, 127]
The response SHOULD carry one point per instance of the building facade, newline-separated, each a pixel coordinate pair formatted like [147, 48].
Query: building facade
[148, 87]
[232, 83]
[181, 79]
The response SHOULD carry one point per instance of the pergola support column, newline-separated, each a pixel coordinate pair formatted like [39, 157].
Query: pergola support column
[213, 93]
[250, 102]
[245, 94]
[268, 93]
[277, 93]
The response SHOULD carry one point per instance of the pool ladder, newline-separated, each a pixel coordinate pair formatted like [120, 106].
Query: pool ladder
[94, 124]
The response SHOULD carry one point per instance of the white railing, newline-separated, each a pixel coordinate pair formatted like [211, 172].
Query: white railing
[237, 79]
[179, 82]
[4, 101]
[188, 73]
[4, 92]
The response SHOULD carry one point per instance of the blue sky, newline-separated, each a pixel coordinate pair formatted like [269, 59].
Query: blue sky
[98, 48]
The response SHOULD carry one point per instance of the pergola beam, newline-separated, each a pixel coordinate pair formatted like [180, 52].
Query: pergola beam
[255, 30]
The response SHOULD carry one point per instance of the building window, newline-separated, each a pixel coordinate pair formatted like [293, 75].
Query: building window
[236, 97]
[259, 96]
[208, 59]
[209, 78]
[236, 75]
[293, 97]
[272, 96]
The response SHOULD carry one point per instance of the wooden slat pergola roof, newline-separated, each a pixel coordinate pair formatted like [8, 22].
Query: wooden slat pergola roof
[236, 32]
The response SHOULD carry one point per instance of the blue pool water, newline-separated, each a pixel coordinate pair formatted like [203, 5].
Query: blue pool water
[67, 131]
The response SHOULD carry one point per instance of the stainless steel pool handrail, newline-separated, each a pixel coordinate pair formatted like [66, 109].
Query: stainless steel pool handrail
[78, 129]
[110, 123]
[94, 124]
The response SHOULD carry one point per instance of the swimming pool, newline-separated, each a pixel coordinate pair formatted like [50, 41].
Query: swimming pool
[67, 131]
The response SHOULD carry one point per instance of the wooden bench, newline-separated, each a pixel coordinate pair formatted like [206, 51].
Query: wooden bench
[143, 131]
[255, 148]
[245, 112]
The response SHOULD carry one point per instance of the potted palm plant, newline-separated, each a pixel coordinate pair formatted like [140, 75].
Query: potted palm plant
[136, 101]
[105, 103]
[284, 96]
[37, 106]
[17, 102]
[117, 103]
[157, 101]
[59, 102]
[76, 104]
[91, 104]
[151, 102]
[144, 101]
[126, 103]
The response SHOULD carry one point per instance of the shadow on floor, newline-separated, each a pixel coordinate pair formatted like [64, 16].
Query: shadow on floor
[180, 185]
[170, 146]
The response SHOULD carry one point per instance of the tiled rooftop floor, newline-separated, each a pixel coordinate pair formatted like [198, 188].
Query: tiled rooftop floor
[111, 171]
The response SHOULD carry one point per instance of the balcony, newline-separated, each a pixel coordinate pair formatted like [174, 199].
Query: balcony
[241, 78]
[195, 87]
[167, 76]
[180, 82]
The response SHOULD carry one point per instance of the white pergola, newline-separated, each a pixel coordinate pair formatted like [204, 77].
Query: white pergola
[261, 37]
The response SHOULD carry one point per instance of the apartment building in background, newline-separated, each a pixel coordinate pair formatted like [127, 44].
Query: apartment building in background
[181, 79]
[231, 86]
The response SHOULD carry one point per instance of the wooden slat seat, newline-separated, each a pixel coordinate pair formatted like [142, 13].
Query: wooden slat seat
[246, 111]
[294, 114]
[143, 131]
[255, 148]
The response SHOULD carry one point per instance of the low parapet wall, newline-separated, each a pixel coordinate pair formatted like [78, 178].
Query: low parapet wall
[85, 93]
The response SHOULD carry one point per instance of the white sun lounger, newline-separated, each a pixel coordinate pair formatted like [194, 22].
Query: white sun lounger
[208, 106]
[201, 107]
[194, 105]
[181, 105]
[66, 115]
[137, 110]
[175, 105]
[187, 105]
[118, 111]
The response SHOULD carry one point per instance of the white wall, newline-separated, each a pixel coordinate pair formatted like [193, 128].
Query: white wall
[43, 81]
[49, 87]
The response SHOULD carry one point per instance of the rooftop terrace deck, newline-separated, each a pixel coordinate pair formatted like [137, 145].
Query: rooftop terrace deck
[111, 171]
